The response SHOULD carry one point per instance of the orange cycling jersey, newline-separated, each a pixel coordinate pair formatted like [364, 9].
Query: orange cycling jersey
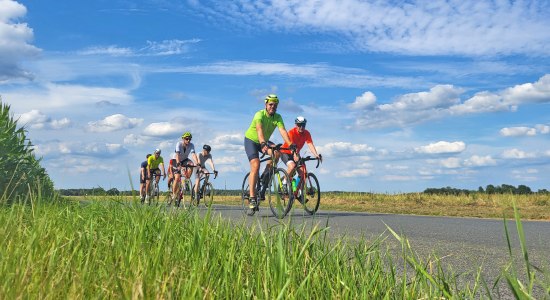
[297, 138]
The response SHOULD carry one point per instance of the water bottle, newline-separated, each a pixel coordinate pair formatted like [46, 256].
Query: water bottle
[297, 181]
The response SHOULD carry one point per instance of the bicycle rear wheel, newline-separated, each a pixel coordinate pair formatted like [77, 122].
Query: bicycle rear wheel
[156, 194]
[311, 194]
[279, 193]
[208, 194]
[188, 195]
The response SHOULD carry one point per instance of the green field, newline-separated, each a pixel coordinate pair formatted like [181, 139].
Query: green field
[112, 249]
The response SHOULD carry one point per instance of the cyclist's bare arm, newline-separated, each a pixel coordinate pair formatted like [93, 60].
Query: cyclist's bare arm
[285, 136]
[261, 137]
[313, 150]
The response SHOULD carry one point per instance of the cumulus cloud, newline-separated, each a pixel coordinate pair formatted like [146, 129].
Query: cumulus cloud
[37, 120]
[413, 27]
[518, 131]
[480, 161]
[113, 123]
[517, 154]
[543, 129]
[450, 163]
[134, 140]
[442, 147]
[444, 100]
[15, 40]
[230, 142]
[54, 149]
[366, 100]
[354, 173]
[163, 129]
[344, 149]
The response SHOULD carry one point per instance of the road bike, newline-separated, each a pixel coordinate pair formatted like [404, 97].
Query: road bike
[184, 187]
[205, 191]
[154, 191]
[274, 184]
[307, 190]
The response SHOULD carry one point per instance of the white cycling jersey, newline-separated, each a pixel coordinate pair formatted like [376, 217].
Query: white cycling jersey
[183, 151]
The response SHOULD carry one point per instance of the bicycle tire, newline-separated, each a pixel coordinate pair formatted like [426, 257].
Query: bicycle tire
[311, 194]
[208, 194]
[279, 193]
[245, 195]
[188, 201]
[156, 194]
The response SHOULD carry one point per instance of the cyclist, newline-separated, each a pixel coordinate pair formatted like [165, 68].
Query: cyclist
[153, 163]
[143, 177]
[299, 135]
[204, 156]
[257, 140]
[184, 148]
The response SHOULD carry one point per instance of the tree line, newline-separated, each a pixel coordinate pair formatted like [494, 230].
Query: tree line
[489, 189]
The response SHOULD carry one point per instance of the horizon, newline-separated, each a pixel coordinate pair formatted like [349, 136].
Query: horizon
[399, 97]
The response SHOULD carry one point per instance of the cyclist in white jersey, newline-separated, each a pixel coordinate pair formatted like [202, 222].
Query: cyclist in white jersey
[184, 149]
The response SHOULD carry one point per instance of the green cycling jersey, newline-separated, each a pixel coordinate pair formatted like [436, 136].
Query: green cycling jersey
[269, 123]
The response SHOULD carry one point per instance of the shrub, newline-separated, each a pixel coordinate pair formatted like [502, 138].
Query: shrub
[21, 175]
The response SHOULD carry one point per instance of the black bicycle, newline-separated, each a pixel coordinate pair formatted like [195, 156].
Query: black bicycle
[274, 185]
[154, 191]
[307, 190]
[206, 190]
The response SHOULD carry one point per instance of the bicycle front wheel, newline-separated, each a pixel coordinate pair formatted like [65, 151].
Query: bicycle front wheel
[156, 194]
[208, 194]
[279, 193]
[311, 194]
[245, 195]
[188, 195]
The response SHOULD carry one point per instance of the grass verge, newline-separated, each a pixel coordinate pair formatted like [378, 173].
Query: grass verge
[109, 250]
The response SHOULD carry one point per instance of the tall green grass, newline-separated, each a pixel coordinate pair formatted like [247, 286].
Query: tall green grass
[113, 250]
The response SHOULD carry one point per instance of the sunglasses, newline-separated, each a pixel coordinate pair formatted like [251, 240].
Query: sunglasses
[301, 125]
[272, 104]
[187, 139]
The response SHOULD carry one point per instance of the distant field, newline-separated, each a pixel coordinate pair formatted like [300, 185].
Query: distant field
[532, 207]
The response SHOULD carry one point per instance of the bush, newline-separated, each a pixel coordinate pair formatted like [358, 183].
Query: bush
[21, 175]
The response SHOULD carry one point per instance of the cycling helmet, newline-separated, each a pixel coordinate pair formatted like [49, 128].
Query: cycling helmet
[207, 148]
[300, 120]
[271, 98]
[187, 134]
[157, 151]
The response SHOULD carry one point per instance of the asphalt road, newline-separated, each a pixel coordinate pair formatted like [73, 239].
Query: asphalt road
[463, 244]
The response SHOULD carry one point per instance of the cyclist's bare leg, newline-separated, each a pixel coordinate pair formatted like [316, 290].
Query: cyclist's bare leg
[290, 168]
[253, 178]
[197, 181]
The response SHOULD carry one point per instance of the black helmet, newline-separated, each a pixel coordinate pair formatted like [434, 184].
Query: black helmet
[207, 148]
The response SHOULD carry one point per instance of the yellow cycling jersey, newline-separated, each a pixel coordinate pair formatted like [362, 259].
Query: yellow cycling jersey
[154, 162]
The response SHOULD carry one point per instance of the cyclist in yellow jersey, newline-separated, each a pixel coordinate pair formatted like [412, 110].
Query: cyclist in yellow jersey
[153, 164]
[257, 138]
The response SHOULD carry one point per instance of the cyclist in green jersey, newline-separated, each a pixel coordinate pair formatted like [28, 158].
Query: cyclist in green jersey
[257, 139]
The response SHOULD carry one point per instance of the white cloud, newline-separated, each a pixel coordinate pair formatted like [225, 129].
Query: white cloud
[54, 149]
[354, 173]
[426, 28]
[134, 140]
[538, 92]
[113, 123]
[229, 142]
[14, 41]
[37, 120]
[543, 129]
[442, 147]
[440, 96]
[163, 129]
[366, 100]
[153, 48]
[480, 161]
[482, 102]
[52, 97]
[450, 163]
[398, 178]
[517, 154]
[518, 131]
[344, 149]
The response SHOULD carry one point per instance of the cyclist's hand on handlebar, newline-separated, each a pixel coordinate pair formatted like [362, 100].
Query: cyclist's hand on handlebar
[164, 176]
[263, 147]
[320, 157]
[215, 174]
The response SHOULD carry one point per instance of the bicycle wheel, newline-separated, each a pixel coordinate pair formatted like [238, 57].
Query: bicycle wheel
[188, 195]
[311, 194]
[195, 199]
[245, 195]
[156, 194]
[279, 193]
[208, 194]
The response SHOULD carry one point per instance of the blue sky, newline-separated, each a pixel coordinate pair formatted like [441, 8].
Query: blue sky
[400, 96]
